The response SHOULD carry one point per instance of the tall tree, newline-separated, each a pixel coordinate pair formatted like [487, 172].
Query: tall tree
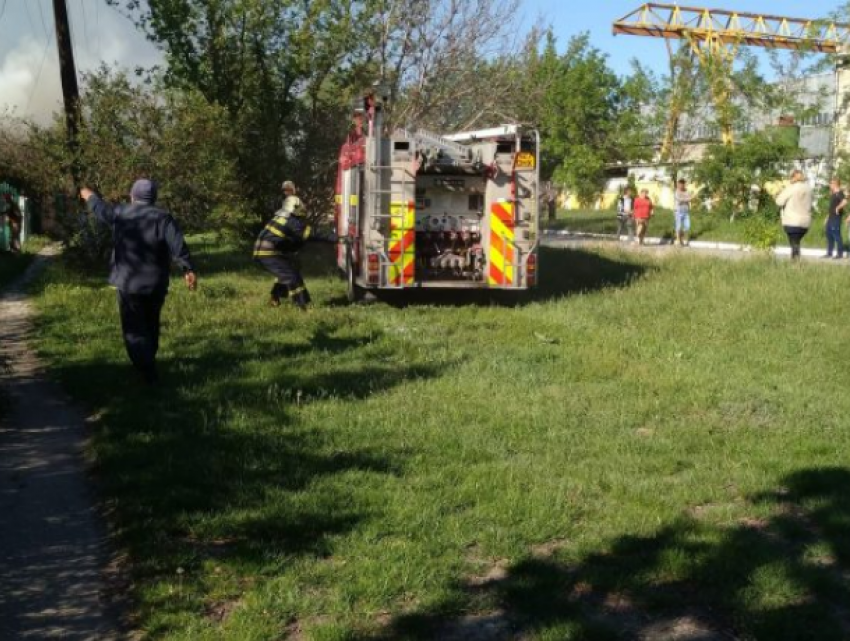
[581, 116]
[288, 70]
[269, 63]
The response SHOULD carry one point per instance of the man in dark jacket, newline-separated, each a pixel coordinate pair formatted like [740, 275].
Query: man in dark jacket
[145, 241]
[276, 249]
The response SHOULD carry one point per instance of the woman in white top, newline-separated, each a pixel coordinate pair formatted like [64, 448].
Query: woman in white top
[796, 203]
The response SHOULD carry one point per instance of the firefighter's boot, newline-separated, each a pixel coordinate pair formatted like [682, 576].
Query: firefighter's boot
[278, 291]
[301, 298]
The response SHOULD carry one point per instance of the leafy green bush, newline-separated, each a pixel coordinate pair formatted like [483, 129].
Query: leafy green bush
[762, 229]
[737, 176]
[86, 240]
[174, 136]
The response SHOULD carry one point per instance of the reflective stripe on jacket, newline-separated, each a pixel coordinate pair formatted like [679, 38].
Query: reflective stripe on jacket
[284, 233]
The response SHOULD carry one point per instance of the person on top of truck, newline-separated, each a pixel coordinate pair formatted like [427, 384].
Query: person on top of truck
[276, 249]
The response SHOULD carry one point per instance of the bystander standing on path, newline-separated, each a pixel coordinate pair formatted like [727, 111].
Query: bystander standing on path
[643, 212]
[145, 241]
[625, 214]
[837, 204]
[796, 204]
[682, 199]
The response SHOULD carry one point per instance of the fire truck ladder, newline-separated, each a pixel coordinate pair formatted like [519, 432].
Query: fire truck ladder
[455, 149]
[393, 216]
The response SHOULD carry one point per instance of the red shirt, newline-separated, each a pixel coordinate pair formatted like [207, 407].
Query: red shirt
[643, 208]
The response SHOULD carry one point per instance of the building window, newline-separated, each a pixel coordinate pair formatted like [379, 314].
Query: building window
[823, 119]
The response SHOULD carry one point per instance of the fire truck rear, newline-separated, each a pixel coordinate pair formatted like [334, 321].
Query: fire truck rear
[420, 210]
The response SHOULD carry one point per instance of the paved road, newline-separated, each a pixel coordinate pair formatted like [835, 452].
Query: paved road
[653, 246]
[53, 547]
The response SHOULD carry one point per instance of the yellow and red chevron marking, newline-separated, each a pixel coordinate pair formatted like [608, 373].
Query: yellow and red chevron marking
[502, 255]
[402, 249]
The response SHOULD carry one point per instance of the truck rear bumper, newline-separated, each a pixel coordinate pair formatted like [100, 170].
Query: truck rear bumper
[446, 284]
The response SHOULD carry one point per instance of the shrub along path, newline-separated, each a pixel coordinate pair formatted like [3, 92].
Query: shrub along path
[52, 543]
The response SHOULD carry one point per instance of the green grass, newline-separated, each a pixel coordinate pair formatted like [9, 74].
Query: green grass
[13, 265]
[649, 438]
[704, 226]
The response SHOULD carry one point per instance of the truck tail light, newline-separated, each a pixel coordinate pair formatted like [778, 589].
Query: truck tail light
[374, 267]
[531, 269]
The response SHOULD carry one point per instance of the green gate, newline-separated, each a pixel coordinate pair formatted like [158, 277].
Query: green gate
[5, 231]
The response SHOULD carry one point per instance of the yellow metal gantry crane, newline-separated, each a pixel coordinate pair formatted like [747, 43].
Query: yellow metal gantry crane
[714, 37]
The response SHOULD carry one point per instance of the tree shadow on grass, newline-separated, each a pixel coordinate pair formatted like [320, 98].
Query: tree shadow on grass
[213, 466]
[786, 577]
[563, 272]
[317, 260]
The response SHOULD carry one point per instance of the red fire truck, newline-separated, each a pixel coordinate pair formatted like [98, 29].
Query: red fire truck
[420, 210]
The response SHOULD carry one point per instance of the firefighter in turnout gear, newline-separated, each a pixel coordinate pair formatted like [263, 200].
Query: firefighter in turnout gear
[276, 249]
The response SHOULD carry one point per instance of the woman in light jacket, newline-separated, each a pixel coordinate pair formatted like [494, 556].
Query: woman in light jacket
[796, 204]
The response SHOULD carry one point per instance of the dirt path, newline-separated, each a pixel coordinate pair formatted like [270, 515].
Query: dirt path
[53, 548]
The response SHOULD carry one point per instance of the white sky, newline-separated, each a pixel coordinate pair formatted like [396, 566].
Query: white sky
[29, 66]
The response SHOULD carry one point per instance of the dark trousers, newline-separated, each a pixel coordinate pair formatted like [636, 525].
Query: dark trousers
[289, 281]
[140, 319]
[833, 238]
[795, 236]
[626, 225]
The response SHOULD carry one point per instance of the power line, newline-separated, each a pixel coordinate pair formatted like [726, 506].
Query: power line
[86, 25]
[38, 75]
[97, 31]
[3, 10]
[43, 22]
[29, 18]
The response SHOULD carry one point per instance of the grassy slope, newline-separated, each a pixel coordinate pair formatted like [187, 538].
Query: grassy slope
[704, 226]
[674, 433]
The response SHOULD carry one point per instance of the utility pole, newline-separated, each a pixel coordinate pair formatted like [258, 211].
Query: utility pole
[70, 89]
